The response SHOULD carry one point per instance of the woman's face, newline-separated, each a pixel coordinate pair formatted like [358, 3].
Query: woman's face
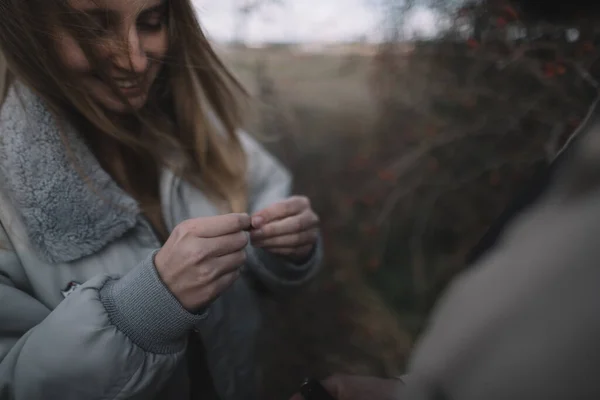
[133, 44]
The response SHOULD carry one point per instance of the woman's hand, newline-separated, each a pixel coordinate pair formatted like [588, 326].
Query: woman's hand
[202, 258]
[347, 387]
[289, 228]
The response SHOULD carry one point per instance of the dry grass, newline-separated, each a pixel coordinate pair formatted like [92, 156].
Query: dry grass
[327, 82]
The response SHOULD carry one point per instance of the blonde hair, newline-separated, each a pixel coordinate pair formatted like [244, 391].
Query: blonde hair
[193, 89]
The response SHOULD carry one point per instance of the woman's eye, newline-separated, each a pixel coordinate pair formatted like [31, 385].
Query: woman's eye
[152, 22]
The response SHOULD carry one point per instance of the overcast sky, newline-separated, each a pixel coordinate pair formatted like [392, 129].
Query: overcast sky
[304, 20]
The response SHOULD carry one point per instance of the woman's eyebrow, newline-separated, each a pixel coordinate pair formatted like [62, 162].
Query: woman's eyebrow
[109, 13]
[158, 7]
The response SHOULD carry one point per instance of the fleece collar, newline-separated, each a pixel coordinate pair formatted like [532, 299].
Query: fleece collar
[70, 209]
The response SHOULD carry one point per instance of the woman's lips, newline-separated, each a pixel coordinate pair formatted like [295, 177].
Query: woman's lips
[127, 87]
[133, 91]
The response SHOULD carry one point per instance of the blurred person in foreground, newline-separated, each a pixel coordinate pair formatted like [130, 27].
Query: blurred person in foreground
[523, 322]
[130, 200]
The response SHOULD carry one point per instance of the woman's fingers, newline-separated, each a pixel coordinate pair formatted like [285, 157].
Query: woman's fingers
[307, 237]
[223, 245]
[283, 209]
[212, 227]
[290, 225]
[224, 265]
[201, 256]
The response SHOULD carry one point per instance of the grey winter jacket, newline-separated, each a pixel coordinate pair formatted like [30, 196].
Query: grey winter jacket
[524, 323]
[83, 313]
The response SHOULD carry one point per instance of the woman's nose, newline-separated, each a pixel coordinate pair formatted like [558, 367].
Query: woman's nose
[130, 55]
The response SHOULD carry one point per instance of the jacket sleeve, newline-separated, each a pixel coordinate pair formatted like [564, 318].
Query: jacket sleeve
[111, 338]
[270, 182]
[524, 322]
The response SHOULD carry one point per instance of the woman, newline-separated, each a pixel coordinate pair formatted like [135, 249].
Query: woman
[128, 198]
